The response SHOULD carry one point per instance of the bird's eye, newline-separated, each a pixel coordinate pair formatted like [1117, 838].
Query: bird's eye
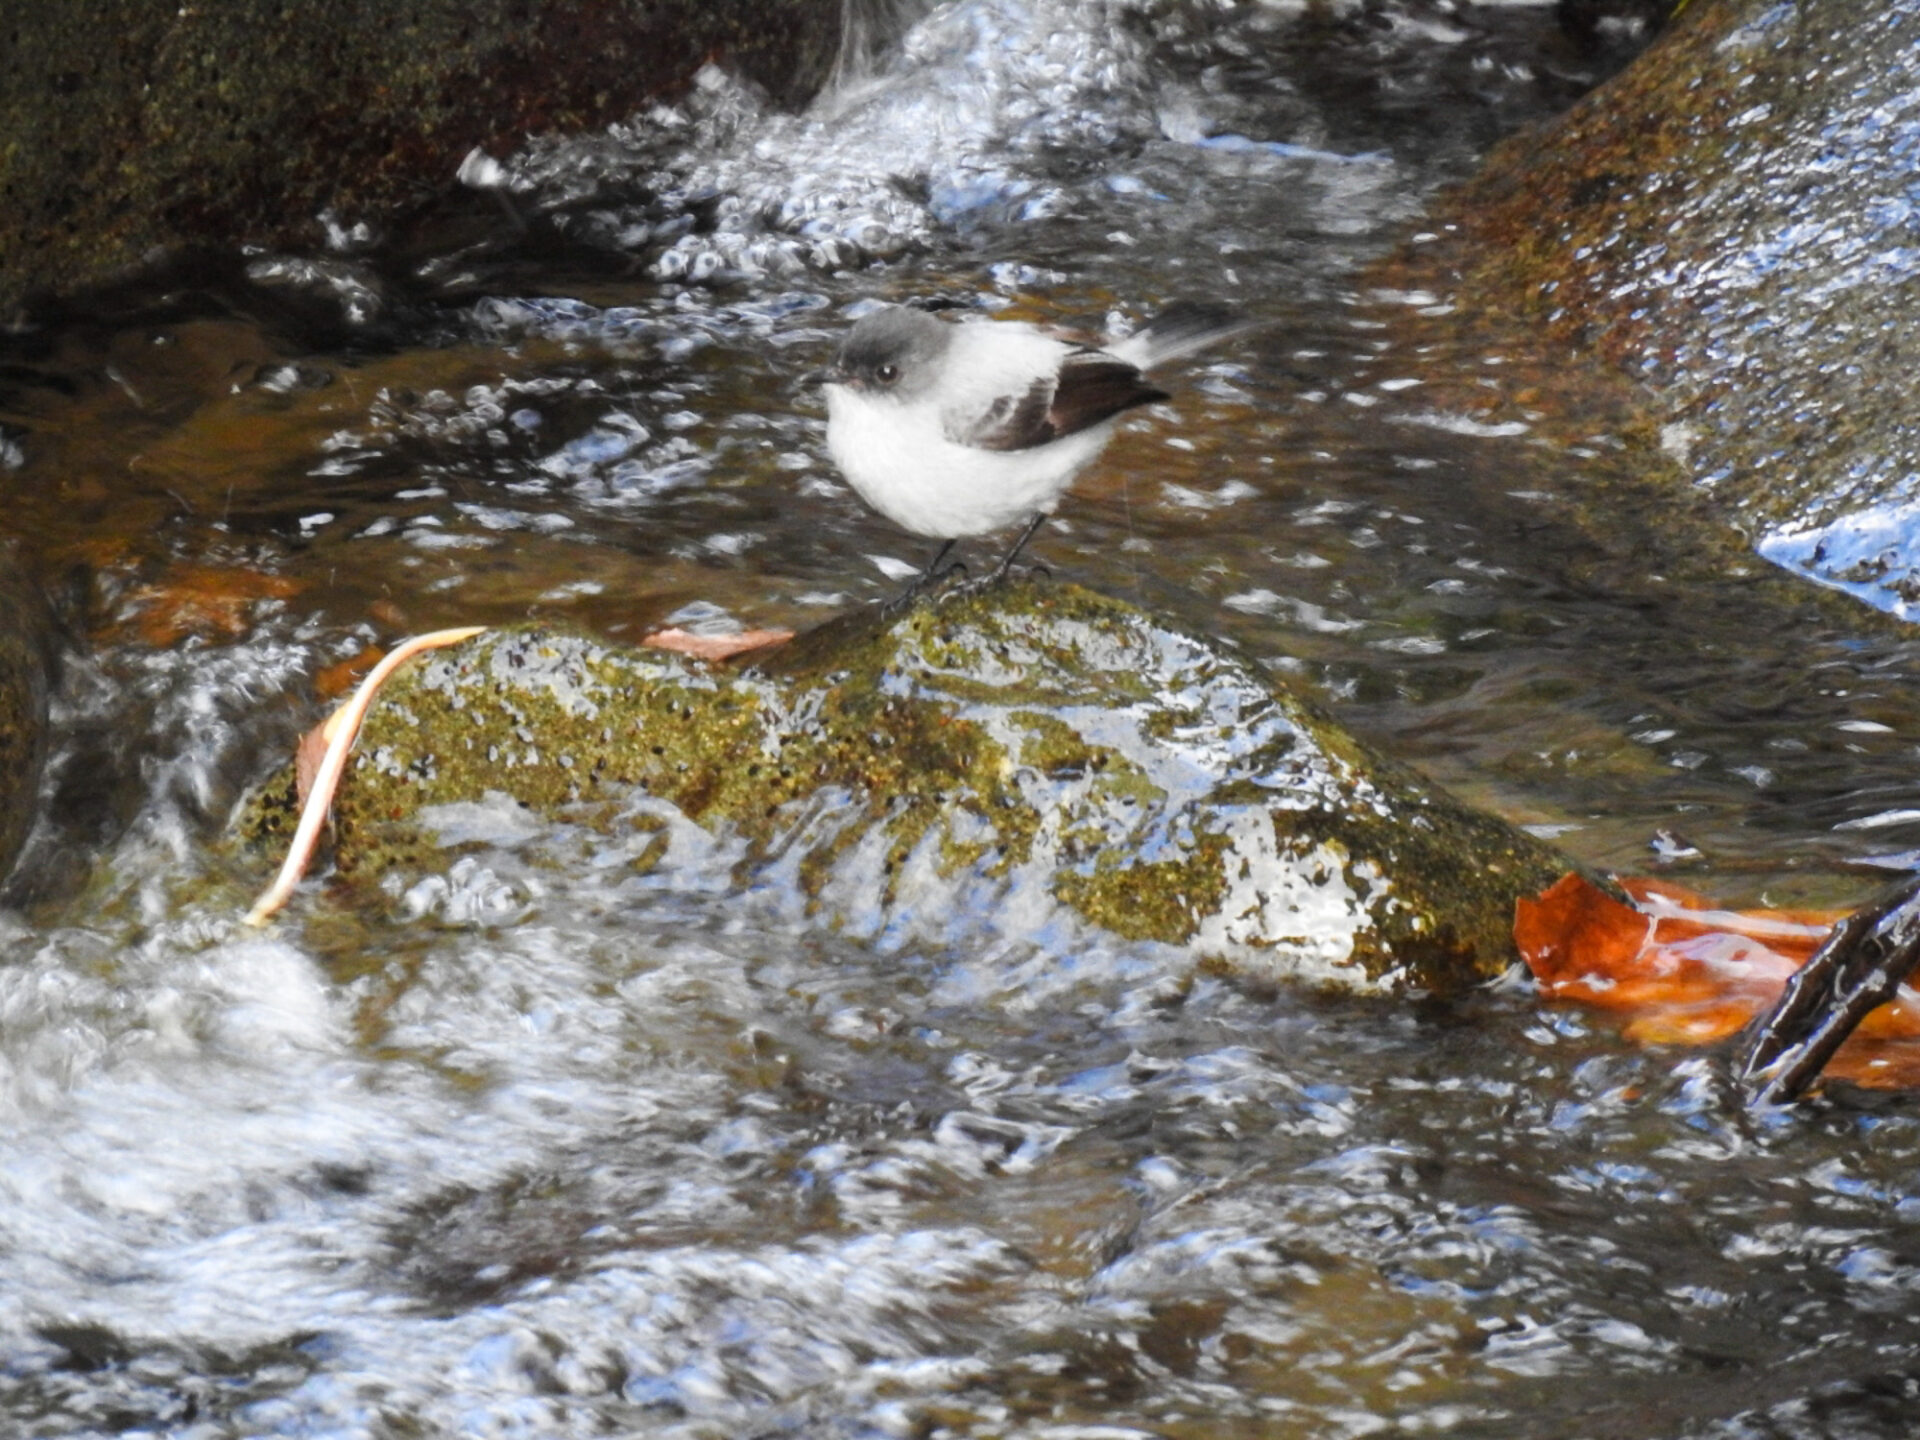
[887, 374]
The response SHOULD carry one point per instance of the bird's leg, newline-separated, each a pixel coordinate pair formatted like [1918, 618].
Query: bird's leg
[1860, 967]
[999, 572]
[935, 574]
[927, 578]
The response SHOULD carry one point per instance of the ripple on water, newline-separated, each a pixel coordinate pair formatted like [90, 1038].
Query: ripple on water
[604, 1163]
[569, 1139]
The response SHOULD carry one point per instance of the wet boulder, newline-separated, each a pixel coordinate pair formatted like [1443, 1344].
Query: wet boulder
[1733, 220]
[141, 125]
[1036, 763]
[25, 652]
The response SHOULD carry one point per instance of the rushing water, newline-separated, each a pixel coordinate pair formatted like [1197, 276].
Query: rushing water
[557, 1144]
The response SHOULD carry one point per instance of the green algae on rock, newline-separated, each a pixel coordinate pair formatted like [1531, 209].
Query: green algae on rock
[1028, 761]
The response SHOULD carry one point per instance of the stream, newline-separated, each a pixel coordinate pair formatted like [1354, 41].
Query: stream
[555, 1144]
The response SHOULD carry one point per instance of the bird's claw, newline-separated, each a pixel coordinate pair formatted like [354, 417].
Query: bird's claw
[995, 578]
[933, 579]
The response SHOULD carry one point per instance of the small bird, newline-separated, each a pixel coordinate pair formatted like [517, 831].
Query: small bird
[958, 429]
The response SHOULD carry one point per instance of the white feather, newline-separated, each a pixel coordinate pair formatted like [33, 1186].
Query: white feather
[900, 461]
[895, 445]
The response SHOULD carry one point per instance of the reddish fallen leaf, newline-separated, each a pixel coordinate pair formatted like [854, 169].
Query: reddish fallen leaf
[715, 647]
[341, 676]
[322, 757]
[308, 756]
[210, 601]
[1689, 972]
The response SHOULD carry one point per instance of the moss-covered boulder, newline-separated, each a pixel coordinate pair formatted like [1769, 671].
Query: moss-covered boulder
[1036, 758]
[1733, 220]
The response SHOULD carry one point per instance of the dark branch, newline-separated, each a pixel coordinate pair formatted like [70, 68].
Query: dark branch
[1860, 967]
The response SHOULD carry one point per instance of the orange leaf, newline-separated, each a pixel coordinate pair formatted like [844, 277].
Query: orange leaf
[715, 647]
[308, 756]
[1688, 972]
[211, 601]
[341, 676]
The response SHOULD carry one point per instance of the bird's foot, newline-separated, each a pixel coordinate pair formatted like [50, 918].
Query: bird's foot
[905, 600]
[922, 587]
[1001, 575]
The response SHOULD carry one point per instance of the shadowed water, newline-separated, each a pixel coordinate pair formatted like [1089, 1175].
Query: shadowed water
[569, 1141]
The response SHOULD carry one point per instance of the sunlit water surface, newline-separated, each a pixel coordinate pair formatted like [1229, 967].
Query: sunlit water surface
[559, 1144]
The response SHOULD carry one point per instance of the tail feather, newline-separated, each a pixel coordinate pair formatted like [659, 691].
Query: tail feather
[1182, 328]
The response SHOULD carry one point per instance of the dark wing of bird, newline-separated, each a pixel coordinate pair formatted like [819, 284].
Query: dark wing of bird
[1091, 387]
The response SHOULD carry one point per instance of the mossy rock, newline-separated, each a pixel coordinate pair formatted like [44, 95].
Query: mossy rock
[1730, 222]
[1040, 757]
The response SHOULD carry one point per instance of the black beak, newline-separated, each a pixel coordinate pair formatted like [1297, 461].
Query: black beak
[834, 374]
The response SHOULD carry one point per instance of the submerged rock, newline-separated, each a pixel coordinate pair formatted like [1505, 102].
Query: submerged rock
[1027, 762]
[1733, 220]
